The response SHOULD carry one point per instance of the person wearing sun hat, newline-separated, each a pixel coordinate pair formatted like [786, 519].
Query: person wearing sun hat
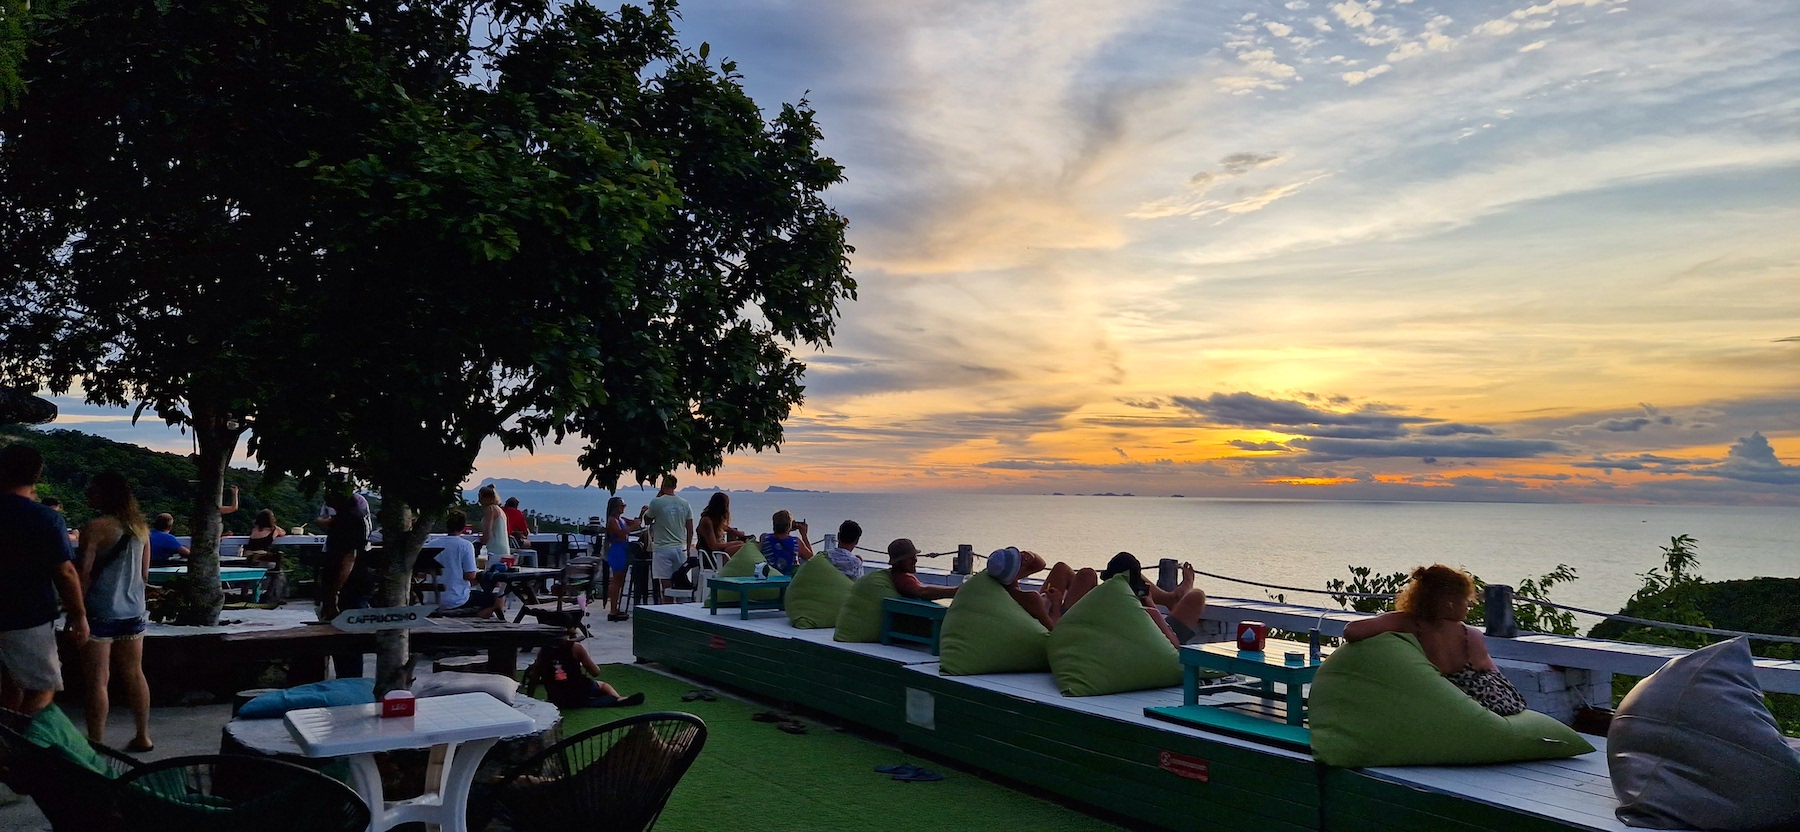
[903, 564]
[1059, 591]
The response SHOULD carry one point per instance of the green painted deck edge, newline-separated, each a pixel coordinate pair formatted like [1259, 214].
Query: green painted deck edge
[1103, 762]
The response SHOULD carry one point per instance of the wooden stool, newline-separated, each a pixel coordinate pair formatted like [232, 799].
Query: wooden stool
[895, 610]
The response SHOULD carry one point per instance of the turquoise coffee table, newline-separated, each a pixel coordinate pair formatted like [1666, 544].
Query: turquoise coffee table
[742, 587]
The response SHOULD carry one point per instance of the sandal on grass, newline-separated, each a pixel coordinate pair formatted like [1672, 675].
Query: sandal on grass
[792, 727]
[920, 775]
[903, 768]
[767, 716]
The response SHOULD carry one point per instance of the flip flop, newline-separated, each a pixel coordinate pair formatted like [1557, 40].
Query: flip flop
[767, 716]
[903, 768]
[923, 775]
[134, 748]
[792, 727]
[690, 696]
[629, 701]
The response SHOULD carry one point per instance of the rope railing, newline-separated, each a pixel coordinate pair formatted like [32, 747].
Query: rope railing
[1644, 622]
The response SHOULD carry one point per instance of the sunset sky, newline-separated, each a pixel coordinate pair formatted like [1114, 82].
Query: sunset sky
[1394, 250]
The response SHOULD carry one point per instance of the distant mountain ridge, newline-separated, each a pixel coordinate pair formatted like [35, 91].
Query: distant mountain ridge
[504, 484]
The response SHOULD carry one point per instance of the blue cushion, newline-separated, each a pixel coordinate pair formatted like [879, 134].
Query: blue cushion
[315, 695]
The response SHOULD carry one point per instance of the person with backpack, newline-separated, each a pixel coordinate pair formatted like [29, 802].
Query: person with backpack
[114, 564]
[570, 676]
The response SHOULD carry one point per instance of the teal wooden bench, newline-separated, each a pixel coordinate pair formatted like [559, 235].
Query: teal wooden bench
[896, 610]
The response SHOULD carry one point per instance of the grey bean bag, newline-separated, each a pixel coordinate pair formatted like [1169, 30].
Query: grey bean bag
[1693, 747]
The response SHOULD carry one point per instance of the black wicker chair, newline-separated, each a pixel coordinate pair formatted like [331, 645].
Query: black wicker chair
[613, 778]
[72, 797]
[236, 793]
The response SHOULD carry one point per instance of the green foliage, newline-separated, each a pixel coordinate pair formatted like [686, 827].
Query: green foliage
[1676, 593]
[1530, 617]
[163, 482]
[1367, 581]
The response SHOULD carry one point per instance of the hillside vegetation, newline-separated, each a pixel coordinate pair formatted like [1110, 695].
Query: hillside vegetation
[164, 482]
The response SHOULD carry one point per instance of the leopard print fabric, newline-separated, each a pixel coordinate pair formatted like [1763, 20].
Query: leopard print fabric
[1490, 688]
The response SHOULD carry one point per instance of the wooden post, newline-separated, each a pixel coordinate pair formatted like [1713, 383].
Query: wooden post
[1499, 601]
[1168, 574]
[965, 560]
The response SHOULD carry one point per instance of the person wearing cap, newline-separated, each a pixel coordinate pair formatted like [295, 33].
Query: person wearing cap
[903, 565]
[1060, 590]
[619, 530]
[1176, 611]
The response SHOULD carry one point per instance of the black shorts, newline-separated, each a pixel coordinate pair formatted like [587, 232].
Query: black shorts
[1182, 633]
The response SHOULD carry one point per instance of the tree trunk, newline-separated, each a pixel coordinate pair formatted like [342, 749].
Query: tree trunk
[200, 594]
[403, 533]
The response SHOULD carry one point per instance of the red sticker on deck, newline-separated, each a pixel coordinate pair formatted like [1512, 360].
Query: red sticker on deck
[717, 643]
[1181, 765]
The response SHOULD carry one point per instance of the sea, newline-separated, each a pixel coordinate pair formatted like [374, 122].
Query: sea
[1300, 543]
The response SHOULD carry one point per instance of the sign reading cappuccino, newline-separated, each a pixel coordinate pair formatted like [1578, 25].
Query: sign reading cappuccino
[384, 618]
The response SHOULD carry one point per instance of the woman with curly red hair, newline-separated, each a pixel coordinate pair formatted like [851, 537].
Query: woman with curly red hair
[1432, 608]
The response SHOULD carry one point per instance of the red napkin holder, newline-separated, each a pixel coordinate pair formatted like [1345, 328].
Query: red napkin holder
[397, 703]
[1253, 636]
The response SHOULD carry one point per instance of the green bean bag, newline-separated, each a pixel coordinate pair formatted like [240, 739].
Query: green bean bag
[1380, 702]
[859, 619]
[986, 631]
[742, 565]
[817, 593]
[1107, 644]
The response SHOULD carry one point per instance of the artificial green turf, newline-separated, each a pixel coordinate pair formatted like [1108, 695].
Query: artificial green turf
[752, 776]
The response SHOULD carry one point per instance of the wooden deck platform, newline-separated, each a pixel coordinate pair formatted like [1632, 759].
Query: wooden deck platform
[1104, 750]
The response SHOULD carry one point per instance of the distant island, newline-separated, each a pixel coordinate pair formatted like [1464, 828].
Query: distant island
[504, 484]
[776, 489]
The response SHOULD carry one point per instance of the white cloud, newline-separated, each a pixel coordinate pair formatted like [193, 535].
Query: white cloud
[1354, 14]
[1406, 50]
[1280, 30]
[1533, 46]
[1497, 27]
[1297, 5]
[1359, 76]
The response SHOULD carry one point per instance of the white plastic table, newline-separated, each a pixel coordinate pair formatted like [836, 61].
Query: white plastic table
[458, 729]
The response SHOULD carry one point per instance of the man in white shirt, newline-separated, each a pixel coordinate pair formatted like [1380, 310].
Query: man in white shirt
[671, 533]
[844, 557]
[460, 599]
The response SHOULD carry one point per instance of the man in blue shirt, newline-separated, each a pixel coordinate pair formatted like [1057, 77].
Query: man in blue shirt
[460, 598]
[35, 557]
[165, 548]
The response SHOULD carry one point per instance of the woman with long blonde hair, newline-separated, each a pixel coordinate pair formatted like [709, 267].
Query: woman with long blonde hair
[1433, 607]
[114, 565]
[494, 542]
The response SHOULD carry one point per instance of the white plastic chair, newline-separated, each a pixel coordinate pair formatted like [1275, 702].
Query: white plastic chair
[709, 565]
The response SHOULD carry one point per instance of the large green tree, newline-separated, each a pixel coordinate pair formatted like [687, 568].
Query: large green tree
[582, 232]
[154, 232]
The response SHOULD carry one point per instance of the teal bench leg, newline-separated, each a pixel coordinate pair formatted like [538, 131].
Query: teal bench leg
[1296, 704]
[744, 605]
[1190, 685]
[713, 599]
[937, 629]
[887, 626]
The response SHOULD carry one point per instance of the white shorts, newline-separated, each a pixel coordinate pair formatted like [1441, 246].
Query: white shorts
[666, 562]
[29, 657]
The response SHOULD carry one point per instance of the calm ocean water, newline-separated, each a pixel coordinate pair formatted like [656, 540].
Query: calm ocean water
[1294, 542]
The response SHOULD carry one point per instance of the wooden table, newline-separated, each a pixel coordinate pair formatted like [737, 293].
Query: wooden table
[458, 729]
[893, 609]
[743, 586]
[501, 639]
[1270, 666]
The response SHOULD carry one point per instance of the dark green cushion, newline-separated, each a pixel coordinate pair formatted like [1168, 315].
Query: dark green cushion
[742, 565]
[986, 631]
[1107, 643]
[859, 619]
[52, 729]
[1380, 702]
[817, 593]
